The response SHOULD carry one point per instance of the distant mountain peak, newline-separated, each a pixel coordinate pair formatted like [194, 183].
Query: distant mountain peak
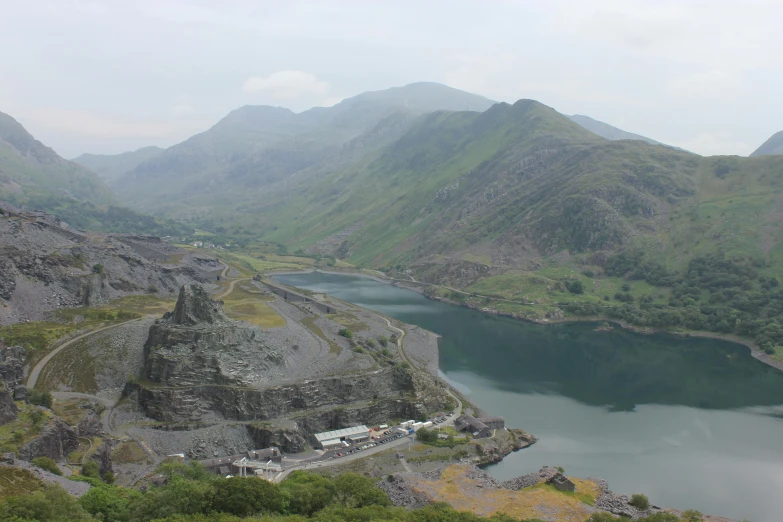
[772, 147]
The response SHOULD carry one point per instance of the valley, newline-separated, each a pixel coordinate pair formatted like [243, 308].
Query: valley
[393, 265]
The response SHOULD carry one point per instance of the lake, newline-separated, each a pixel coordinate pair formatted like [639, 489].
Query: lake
[691, 423]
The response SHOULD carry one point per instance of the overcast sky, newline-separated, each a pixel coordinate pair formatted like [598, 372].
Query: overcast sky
[114, 75]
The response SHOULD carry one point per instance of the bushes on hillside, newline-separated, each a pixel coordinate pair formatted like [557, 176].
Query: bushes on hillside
[47, 464]
[40, 398]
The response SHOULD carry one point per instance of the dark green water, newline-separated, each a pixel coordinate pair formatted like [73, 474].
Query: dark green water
[692, 423]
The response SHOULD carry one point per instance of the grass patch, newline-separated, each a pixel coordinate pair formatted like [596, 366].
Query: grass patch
[71, 410]
[129, 453]
[28, 424]
[537, 502]
[248, 303]
[17, 481]
[309, 323]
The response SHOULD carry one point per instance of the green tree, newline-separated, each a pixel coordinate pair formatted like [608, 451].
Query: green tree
[640, 501]
[306, 493]
[40, 398]
[179, 497]
[90, 469]
[575, 287]
[47, 464]
[52, 504]
[357, 491]
[345, 332]
[246, 496]
[193, 470]
[109, 503]
[426, 435]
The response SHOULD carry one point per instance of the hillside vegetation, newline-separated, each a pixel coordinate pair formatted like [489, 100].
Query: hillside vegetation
[192, 494]
[29, 168]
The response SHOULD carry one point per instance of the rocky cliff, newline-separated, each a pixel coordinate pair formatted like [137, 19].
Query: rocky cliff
[45, 265]
[55, 441]
[201, 366]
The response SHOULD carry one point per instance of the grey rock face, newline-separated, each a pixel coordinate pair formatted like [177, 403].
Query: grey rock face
[90, 425]
[20, 393]
[7, 407]
[55, 441]
[45, 265]
[195, 306]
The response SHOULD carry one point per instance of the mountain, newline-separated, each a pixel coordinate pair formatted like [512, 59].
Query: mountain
[111, 167]
[29, 168]
[33, 176]
[773, 146]
[256, 143]
[607, 131]
[458, 196]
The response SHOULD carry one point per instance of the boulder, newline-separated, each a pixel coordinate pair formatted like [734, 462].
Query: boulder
[20, 393]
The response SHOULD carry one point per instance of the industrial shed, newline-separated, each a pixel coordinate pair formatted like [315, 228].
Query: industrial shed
[331, 439]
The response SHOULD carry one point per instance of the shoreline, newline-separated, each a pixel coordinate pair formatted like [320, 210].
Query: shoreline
[755, 351]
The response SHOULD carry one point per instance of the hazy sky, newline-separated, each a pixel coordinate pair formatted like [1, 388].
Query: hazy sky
[113, 75]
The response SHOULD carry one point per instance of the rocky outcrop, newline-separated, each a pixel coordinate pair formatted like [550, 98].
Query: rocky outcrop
[90, 425]
[11, 373]
[288, 440]
[55, 441]
[103, 457]
[44, 266]
[11, 365]
[197, 344]
[196, 403]
[7, 406]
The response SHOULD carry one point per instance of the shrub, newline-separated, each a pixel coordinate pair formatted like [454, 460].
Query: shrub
[692, 515]
[97, 268]
[345, 332]
[90, 469]
[40, 398]
[588, 273]
[640, 501]
[626, 287]
[152, 289]
[575, 287]
[425, 435]
[47, 464]
[357, 491]
[245, 496]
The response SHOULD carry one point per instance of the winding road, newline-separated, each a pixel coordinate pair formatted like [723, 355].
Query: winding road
[32, 379]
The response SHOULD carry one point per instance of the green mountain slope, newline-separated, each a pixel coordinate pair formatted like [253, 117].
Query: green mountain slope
[28, 168]
[514, 184]
[33, 176]
[257, 144]
[773, 146]
[110, 167]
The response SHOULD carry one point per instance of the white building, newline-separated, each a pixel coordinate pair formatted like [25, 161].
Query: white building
[334, 439]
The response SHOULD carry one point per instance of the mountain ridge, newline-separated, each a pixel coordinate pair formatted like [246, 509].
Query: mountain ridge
[773, 146]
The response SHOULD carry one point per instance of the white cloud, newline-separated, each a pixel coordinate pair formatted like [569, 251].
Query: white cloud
[286, 85]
